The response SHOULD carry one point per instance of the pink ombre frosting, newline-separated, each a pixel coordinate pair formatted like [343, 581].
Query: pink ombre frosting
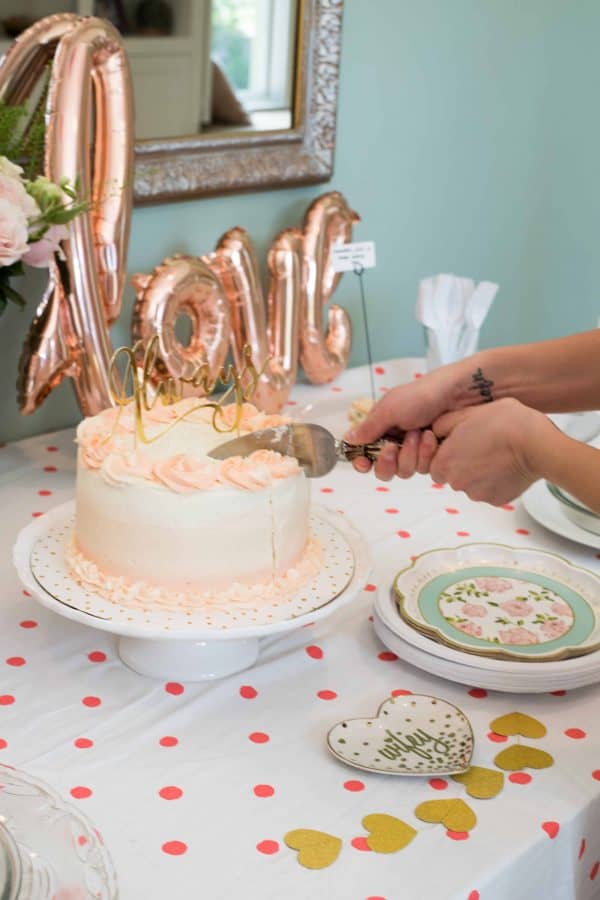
[176, 457]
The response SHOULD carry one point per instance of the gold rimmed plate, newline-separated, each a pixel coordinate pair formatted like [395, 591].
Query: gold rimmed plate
[502, 602]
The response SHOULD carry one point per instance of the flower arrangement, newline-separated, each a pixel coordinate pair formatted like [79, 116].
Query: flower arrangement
[34, 211]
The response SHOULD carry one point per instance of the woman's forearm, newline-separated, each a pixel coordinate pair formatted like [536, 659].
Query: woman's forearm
[571, 465]
[561, 375]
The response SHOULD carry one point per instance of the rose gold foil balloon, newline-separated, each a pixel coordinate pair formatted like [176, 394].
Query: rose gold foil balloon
[328, 221]
[89, 140]
[29, 54]
[183, 285]
[274, 342]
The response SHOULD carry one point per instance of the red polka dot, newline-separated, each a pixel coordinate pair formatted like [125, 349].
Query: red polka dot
[400, 692]
[582, 848]
[97, 656]
[508, 507]
[336, 389]
[82, 840]
[596, 774]
[594, 870]
[462, 534]
[26, 593]
[91, 701]
[36, 515]
[497, 738]
[519, 777]
[80, 793]
[248, 692]
[263, 790]
[370, 587]
[558, 693]
[354, 786]
[360, 843]
[49, 468]
[267, 847]
[173, 687]
[28, 623]
[438, 784]
[451, 511]
[3, 744]
[52, 449]
[170, 792]
[551, 829]
[382, 490]
[314, 652]
[403, 534]
[45, 493]
[418, 374]
[15, 661]
[478, 693]
[437, 486]
[6, 699]
[291, 403]
[575, 733]
[379, 370]
[168, 741]
[174, 848]
[457, 835]
[392, 510]
[474, 895]
[327, 490]
[371, 619]
[387, 656]
[521, 531]
[258, 737]
[326, 695]
[83, 743]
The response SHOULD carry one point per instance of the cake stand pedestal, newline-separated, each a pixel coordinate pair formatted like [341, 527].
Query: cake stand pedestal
[183, 645]
[188, 660]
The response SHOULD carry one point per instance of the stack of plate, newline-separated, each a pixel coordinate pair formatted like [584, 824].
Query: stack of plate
[497, 617]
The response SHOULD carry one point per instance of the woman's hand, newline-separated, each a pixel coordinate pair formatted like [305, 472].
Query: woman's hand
[492, 452]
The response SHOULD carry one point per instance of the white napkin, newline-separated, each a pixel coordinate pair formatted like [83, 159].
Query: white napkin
[452, 311]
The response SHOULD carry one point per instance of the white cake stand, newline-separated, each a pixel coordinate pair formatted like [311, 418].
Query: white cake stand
[179, 645]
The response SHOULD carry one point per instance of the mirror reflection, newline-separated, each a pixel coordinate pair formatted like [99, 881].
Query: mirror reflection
[198, 66]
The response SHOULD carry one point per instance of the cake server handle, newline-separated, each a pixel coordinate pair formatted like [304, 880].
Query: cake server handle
[371, 451]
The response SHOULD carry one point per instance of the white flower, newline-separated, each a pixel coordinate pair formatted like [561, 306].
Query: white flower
[41, 253]
[14, 192]
[10, 169]
[13, 233]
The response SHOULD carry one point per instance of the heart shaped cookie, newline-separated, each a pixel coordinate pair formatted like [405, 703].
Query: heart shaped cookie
[518, 723]
[316, 849]
[519, 756]
[411, 735]
[455, 815]
[388, 834]
[483, 784]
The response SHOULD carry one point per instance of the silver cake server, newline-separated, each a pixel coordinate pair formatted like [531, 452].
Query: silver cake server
[315, 448]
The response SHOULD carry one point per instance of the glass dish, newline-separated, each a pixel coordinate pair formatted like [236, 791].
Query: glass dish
[48, 849]
[577, 512]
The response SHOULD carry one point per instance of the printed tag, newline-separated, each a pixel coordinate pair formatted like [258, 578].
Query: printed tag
[349, 257]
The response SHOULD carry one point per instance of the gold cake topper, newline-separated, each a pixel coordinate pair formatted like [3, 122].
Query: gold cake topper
[137, 383]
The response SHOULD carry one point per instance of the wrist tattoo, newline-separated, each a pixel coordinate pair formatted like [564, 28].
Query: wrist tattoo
[483, 386]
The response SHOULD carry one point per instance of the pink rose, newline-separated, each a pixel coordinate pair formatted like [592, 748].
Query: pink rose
[469, 628]
[41, 252]
[554, 629]
[126, 468]
[561, 609]
[516, 608]
[474, 610]
[184, 474]
[518, 635]
[243, 473]
[13, 233]
[12, 190]
[279, 466]
[493, 584]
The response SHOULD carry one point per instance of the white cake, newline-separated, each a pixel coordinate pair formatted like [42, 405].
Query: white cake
[160, 522]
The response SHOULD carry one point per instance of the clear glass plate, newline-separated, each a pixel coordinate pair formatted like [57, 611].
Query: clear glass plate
[48, 849]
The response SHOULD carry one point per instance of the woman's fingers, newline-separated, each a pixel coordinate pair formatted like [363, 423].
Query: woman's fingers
[387, 462]
[362, 464]
[427, 450]
[408, 455]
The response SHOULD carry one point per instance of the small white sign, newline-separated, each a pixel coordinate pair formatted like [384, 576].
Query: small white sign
[353, 257]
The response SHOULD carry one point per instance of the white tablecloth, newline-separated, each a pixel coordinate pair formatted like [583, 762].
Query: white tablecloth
[191, 784]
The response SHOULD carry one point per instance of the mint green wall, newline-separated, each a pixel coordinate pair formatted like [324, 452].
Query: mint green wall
[468, 140]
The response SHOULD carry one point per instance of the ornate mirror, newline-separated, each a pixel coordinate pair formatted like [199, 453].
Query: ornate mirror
[230, 95]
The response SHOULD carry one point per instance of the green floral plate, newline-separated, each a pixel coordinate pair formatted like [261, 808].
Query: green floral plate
[505, 602]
